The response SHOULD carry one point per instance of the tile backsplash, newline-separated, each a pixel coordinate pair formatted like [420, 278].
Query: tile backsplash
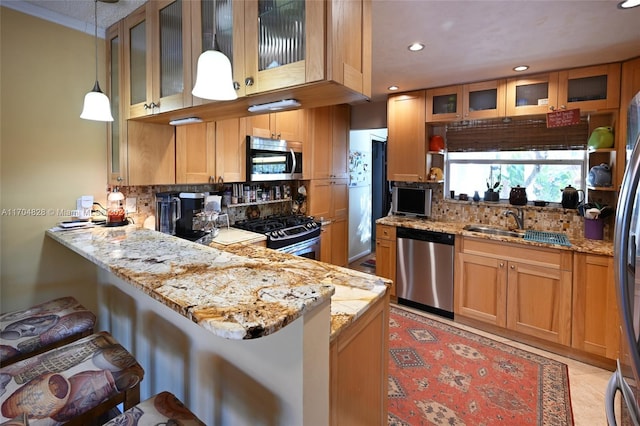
[553, 218]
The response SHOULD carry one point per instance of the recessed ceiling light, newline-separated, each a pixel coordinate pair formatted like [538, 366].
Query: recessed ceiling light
[628, 4]
[520, 68]
[393, 88]
[416, 47]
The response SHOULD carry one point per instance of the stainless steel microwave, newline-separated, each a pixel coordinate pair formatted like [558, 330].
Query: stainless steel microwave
[411, 201]
[269, 159]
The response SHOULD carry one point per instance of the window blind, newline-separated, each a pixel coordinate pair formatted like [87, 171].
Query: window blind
[515, 134]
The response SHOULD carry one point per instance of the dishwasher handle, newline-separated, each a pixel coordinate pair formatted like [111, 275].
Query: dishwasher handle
[424, 235]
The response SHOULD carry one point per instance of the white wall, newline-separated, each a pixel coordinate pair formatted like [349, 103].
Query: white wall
[48, 156]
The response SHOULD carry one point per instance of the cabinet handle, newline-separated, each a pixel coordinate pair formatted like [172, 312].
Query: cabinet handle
[552, 108]
[236, 85]
[513, 266]
[119, 179]
[248, 81]
[147, 106]
[563, 107]
[501, 265]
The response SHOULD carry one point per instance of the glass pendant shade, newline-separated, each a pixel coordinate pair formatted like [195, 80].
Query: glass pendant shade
[96, 105]
[214, 79]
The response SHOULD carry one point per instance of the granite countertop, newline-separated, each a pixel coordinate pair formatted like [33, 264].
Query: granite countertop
[237, 292]
[582, 245]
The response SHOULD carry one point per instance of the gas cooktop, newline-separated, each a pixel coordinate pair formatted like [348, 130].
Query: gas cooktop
[282, 230]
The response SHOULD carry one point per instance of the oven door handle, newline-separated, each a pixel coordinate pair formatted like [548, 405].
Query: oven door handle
[293, 161]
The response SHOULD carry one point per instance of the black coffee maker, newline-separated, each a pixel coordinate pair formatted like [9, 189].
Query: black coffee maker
[191, 203]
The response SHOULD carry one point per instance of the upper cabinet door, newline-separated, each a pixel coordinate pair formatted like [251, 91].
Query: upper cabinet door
[406, 144]
[484, 100]
[171, 43]
[279, 40]
[444, 104]
[137, 64]
[536, 94]
[590, 88]
[157, 76]
[219, 24]
[116, 130]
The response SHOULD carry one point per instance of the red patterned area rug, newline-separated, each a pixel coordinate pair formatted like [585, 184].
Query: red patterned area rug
[443, 375]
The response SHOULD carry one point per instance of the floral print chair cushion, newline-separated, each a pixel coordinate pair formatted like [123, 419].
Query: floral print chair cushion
[161, 409]
[57, 386]
[42, 327]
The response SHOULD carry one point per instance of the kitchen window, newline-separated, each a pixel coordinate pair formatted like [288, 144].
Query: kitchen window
[543, 173]
[517, 152]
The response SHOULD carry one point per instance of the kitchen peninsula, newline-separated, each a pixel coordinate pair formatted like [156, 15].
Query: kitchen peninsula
[243, 334]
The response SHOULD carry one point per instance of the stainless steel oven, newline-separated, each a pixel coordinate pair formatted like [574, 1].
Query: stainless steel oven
[309, 248]
[269, 159]
[295, 234]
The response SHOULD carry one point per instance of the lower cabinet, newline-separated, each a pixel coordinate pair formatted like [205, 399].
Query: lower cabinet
[386, 247]
[527, 290]
[595, 311]
[358, 380]
[329, 201]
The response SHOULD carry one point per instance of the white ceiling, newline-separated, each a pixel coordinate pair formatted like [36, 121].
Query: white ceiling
[466, 41]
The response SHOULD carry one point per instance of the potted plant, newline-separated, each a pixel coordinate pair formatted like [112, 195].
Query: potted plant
[493, 190]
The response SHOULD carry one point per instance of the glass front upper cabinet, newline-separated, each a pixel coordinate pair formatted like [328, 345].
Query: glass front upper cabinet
[590, 88]
[536, 94]
[116, 137]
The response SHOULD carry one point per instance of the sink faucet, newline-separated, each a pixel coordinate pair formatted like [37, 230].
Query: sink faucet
[519, 217]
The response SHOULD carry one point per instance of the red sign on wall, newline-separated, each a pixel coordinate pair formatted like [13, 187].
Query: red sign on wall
[564, 117]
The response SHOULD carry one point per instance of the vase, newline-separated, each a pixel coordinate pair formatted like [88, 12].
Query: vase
[491, 196]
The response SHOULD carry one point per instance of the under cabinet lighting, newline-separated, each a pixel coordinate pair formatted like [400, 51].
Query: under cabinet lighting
[188, 120]
[275, 106]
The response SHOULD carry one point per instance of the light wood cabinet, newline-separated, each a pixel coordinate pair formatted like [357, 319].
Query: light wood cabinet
[523, 289]
[386, 249]
[466, 101]
[329, 202]
[406, 144]
[358, 370]
[152, 153]
[595, 311]
[534, 94]
[157, 44]
[328, 142]
[213, 152]
[590, 88]
[287, 125]
[117, 129]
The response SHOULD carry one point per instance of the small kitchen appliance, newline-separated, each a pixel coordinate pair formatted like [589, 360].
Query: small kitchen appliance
[191, 204]
[410, 201]
[269, 160]
[167, 212]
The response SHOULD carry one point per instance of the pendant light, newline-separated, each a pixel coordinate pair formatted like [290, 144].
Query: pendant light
[214, 78]
[96, 104]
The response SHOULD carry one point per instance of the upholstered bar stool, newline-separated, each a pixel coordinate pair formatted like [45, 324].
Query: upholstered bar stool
[161, 409]
[73, 384]
[42, 327]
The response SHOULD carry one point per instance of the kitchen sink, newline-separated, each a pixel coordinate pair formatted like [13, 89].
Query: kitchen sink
[490, 230]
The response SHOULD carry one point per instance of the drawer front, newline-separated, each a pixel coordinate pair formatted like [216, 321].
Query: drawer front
[386, 232]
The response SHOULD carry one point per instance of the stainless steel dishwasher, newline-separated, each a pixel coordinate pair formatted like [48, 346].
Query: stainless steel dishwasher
[424, 276]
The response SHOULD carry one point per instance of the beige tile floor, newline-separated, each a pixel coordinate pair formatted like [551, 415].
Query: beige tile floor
[587, 383]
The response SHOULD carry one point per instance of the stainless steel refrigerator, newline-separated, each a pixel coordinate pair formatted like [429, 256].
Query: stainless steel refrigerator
[626, 378]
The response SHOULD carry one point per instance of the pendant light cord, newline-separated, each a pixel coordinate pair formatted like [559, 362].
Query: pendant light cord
[95, 33]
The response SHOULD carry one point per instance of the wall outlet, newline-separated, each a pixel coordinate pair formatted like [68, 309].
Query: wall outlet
[130, 204]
